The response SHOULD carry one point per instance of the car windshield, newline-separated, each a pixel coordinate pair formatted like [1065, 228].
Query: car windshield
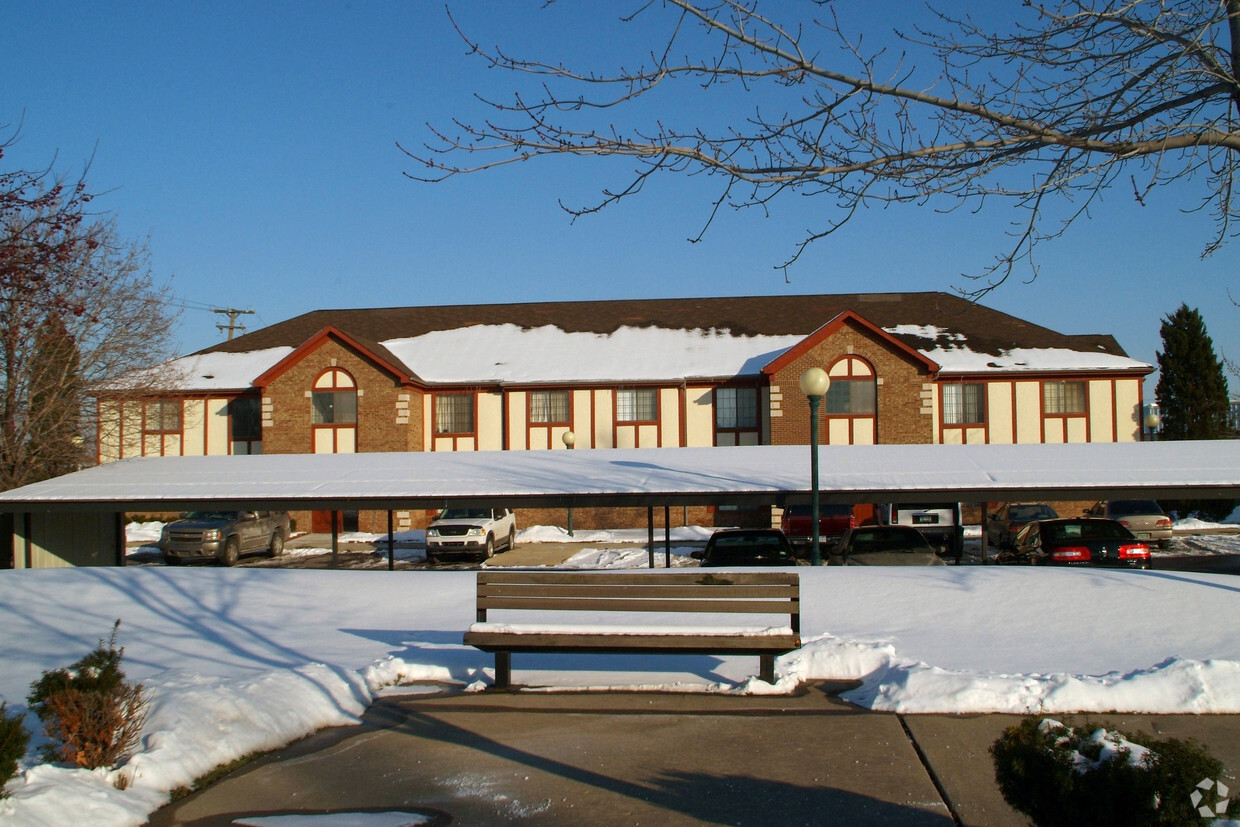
[867, 542]
[748, 546]
[1025, 513]
[465, 514]
[1084, 530]
[209, 515]
[1127, 508]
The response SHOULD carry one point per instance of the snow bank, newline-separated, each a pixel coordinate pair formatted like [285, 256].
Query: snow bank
[240, 660]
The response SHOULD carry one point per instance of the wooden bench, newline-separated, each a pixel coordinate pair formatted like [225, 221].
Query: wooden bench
[695, 591]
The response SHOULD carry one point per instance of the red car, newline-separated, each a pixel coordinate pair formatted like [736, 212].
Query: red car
[834, 521]
[1078, 541]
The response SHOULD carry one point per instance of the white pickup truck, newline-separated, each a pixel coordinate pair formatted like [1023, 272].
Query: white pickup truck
[470, 531]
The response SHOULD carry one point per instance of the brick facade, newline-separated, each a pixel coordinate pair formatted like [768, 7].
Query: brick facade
[902, 418]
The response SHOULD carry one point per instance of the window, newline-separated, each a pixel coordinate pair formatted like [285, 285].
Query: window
[245, 418]
[964, 404]
[548, 407]
[163, 417]
[1063, 397]
[736, 408]
[636, 405]
[851, 396]
[334, 399]
[335, 407]
[454, 413]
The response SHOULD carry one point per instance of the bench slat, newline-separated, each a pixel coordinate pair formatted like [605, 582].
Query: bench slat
[644, 576]
[682, 591]
[611, 644]
[619, 604]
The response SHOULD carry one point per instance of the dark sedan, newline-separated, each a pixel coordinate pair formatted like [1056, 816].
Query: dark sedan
[1080, 541]
[747, 547]
[1003, 525]
[885, 545]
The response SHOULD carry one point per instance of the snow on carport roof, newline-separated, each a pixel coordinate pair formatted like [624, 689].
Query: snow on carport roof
[644, 477]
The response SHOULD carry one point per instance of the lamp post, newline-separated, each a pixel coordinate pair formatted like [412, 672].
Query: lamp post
[570, 439]
[814, 384]
[1151, 421]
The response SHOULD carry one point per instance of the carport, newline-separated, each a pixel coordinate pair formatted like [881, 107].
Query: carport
[77, 519]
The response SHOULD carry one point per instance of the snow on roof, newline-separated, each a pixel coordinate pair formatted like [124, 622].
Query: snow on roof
[512, 354]
[226, 371]
[1039, 360]
[509, 353]
[648, 476]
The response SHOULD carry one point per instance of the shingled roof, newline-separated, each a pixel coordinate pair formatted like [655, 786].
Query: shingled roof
[923, 320]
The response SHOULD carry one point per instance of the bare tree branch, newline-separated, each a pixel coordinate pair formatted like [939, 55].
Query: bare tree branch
[1078, 95]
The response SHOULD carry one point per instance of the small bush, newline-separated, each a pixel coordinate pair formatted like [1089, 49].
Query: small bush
[1060, 775]
[13, 741]
[92, 713]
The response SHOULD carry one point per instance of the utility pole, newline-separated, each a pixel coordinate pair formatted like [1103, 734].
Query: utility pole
[232, 313]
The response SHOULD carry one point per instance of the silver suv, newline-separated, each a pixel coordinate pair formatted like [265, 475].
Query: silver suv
[223, 535]
[472, 531]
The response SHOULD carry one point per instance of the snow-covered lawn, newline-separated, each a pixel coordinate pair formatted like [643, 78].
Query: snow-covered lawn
[238, 660]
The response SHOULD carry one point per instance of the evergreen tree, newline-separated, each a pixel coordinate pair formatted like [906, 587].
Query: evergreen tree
[1192, 389]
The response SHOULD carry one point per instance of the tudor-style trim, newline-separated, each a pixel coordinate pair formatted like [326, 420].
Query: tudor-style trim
[305, 348]
[832, 327]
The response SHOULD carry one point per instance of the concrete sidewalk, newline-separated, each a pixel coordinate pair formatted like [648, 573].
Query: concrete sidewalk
[658, 758]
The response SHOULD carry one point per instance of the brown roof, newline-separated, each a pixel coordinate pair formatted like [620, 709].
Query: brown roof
[986, 330]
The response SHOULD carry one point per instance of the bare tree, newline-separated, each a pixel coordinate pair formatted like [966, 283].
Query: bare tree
[1078, 97]
[78, 311]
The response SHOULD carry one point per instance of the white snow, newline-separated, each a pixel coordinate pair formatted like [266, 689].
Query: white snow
[628, 354]
[549, 354]
[237, 660]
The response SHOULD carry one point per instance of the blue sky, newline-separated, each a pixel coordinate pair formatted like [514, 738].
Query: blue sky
[255, 146]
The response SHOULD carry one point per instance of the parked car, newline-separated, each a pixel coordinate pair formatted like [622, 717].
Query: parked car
[886, 545]
[1144, 518]
[940, 523]
[481, 532]
[747, 547]
[833, 523]
[223, 535]
[1003, 525]
[1077, 541]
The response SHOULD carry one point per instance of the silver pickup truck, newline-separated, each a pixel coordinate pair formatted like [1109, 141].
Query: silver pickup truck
[223, 535]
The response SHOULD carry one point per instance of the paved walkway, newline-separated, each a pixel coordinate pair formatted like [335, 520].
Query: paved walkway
[632, 758]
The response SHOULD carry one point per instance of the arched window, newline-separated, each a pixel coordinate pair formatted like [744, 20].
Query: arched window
[334, 412]
[851, 405]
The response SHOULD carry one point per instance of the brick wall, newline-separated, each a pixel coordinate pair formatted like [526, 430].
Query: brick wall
[902, 383]
[389, 417]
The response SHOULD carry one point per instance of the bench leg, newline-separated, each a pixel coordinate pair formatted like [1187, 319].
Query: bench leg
[503, 670]
[767, 668]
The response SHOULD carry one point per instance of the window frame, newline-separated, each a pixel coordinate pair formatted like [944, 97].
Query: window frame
[735, 392]
[163, 406]
[962, 412]
[550, 408]
[637, 395]
[472, 406]
[1062, 385]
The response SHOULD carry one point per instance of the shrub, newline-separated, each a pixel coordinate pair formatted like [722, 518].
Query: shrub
[13, 741]
[92, 713]
[1060, 775]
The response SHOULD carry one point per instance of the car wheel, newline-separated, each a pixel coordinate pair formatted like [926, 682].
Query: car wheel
[232, 550]
[490, 547]
[512, 539]
[432, 560]
[171, 561]
[277, 544]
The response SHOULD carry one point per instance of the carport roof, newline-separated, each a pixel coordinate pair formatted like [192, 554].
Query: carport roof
[644, 477]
